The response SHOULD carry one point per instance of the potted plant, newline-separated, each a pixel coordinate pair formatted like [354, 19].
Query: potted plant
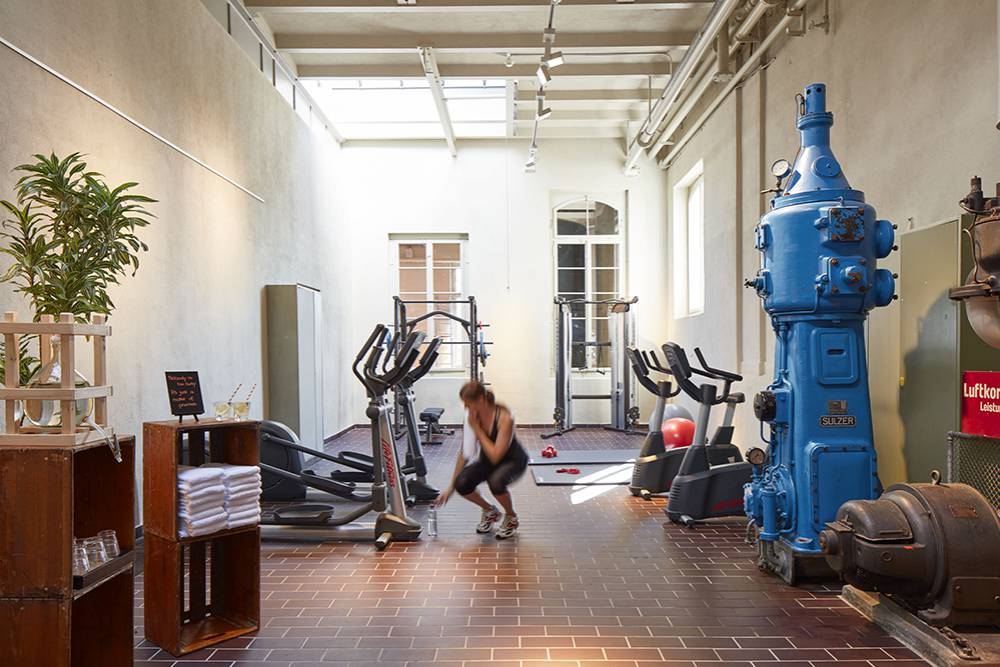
[70, 237]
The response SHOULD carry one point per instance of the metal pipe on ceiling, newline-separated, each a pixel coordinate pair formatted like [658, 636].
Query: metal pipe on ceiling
[681, 115]
[744, 33]
[715, 22]
[777, 31]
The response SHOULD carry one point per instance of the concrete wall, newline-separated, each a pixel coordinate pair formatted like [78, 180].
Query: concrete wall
[420, 188]
[196, 301]
[913, 86]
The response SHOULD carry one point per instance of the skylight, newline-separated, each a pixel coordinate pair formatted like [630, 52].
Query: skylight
[405, 109]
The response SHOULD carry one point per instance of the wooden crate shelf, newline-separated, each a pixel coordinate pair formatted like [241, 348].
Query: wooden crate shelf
[44, 621]
[202, 590]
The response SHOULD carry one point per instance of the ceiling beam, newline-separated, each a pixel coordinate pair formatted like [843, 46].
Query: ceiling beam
[429, 64]
[405, 71]
[471, 42]
[628, 95]
[392, 6]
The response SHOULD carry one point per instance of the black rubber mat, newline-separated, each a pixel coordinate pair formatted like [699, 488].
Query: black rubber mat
[578, 457]
[591, 474]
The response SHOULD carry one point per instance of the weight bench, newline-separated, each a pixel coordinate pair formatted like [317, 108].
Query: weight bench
[431, 418]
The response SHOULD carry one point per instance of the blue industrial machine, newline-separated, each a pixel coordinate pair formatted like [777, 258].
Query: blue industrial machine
[818, 280]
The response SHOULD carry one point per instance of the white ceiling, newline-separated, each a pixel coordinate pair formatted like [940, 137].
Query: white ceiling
[614, 50]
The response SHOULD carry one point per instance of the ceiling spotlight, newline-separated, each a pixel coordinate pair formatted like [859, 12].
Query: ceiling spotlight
[529, 167]
[508, 62]
[553, 59]
[543, 111]
[544, 78]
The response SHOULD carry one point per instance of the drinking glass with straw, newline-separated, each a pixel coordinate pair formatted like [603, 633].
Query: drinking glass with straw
[241, 409]
[222, 408]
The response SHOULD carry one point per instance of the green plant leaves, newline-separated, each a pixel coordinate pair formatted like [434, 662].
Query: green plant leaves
[70, 236]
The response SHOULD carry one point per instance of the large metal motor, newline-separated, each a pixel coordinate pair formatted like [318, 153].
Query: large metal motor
[981, 291]
[934, 548]
[818, 279]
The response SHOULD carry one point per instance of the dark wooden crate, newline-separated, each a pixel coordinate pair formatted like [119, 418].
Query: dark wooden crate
[50, 495]
[199, 591]
[168, 444]
[202, 591]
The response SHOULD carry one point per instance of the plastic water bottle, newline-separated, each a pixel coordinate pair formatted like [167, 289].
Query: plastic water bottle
[432, 522]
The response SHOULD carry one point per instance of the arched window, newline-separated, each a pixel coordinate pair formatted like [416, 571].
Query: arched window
[588, 250]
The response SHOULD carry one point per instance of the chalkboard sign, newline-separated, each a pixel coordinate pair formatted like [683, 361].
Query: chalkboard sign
[184, 391]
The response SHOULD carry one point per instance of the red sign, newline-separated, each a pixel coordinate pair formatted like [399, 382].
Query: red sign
[981, 403]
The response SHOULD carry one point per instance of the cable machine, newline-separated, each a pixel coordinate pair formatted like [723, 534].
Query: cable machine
[621, 394]
[473, 329]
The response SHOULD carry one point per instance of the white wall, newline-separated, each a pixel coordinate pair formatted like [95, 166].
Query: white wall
[196, 301]
[913, 87]
[420, 188]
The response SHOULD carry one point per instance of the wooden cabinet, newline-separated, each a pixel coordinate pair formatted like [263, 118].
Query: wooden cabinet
[203, 590]
[48, 495]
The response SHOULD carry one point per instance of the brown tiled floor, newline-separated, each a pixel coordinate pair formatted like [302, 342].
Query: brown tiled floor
[590, 581]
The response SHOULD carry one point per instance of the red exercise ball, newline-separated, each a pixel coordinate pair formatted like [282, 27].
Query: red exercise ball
[677, 432]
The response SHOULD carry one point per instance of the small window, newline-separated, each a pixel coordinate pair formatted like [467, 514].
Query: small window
[588, 266]
[433, 269]
[688, 242]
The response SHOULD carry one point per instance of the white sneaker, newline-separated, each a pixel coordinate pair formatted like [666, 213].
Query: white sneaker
[507, 528]
[489, 517]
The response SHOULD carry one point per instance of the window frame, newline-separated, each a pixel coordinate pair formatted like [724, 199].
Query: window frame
[459, 356]
[688, 254]
[589, 241]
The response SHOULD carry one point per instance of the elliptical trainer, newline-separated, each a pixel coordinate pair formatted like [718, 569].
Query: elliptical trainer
[702, 490]
[418, 490]
[317, 521]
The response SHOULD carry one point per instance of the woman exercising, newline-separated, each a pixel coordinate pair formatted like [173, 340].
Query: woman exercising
[491, 454]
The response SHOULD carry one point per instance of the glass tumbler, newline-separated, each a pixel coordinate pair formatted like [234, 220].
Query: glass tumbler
[81, 564]
[110, 540]
[222, 409]
[96, 553]
[241, 409]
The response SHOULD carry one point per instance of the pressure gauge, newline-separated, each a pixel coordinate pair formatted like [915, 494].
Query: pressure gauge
[781, 168]
[756, 456]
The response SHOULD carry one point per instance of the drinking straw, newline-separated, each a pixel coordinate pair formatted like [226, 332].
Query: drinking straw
[247, 399]
[233, 395]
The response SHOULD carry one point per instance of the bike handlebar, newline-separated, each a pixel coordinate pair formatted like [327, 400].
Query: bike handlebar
[640, 367]
[707, 393]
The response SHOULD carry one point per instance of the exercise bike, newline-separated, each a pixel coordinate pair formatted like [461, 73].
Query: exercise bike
[418, 490]
[318, 520]
[701, 489]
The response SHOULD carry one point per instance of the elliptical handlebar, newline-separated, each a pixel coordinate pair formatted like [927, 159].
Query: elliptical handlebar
[404, 360]
[707, 393]
[426, 362]
[377, 383]
[378, 333]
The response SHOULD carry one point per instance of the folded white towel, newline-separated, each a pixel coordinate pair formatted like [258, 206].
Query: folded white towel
[203, 500]
[235, 473]
[205, 513]
[242, 509]
[194, 495]
[242, 496]
[246, 518]
[191, 478]
[205, 526]
[234, 491]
